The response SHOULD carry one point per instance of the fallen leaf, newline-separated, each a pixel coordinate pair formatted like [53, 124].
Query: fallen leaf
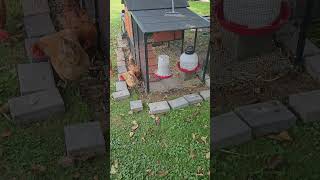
[192, 154]
[66, 161]
[198, 105]
[38, 168]
[153, 116]
[96, 177]
[135, 126]
[162, 173]
[200, 172]
[116, 164]
[76, 175]
[113, 170]
[7, 133]
[208, 155]
[131, 134]
[204, 139]
[143, 139]
[130, 112]
[283, 136]
[149, 172]
[275, 162]
[194, 136]
[157, 120]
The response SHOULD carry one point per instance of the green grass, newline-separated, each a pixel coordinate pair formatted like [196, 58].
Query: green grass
[39, 144]
[154, 149]
[201, 8]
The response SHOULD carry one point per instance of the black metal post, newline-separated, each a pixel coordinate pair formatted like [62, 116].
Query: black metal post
[303, 33]
[147, 63]
[182, 42]
[206, 63]
[195, 39]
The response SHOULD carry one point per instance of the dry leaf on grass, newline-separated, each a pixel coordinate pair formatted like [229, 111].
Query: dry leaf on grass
[135, 126]
[157, 120]
[131, 134]
[113, 170]
[96, 177]
[275, 162]
[38, 168]
[149, 172]
[200, 172]
[192, 154]
[130, 112]
[6, 133]
[66, 161]
[163, 173]
[204, 139]
[194, 136]
[283, 136]
[153, 116]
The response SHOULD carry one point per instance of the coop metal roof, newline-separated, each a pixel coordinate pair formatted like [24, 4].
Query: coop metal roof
[156, 21]
[136, 5]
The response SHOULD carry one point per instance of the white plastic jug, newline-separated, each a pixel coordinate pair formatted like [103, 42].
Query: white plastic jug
[189, 59]
[163, 67]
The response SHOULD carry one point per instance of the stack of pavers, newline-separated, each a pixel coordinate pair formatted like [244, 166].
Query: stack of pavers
[40, 99]
[38, 23]
[182, 102]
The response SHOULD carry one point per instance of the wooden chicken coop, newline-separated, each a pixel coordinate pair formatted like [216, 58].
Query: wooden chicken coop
[154, 21]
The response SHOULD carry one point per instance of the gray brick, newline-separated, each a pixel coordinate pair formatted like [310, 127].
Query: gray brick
[159, 107]
[229, 130]
[121, 95]
[33, 7]
[37, 106]
[178, 103]
[121, 69]
[82, 139]
[266, 118]
[205, 94]
[28, 47]
[38, 25]
[35, 77]
[306, 105]
[136, 106]
[121, 86]
[193, 98]
[313, 66]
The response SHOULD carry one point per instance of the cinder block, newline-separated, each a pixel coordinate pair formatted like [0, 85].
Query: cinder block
[136, 106]
[159, 107]
[83, 139]
[34, 7]
[229, 130]
[306, 105]
[312, 65]
[205, 94]
[37, 106]
[267, 118]
[121, 69]
[38, 25]
[193, 98]
[121, 86]
[178, 103]
[35, 77]
[121, 95]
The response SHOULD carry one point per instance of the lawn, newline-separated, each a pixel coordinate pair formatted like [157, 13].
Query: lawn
[176, 149]
[33, 152]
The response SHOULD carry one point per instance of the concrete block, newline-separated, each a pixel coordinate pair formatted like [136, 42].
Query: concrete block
[136, 106]
[121, 86]
[83, 139]
[306, 105]
[193, 98]
[37, 106]
[38, 25]
[312, 65]
[266, 118]
[229, 130]
[178, 103]
[159, 107]
[28, 47]
[35, 77]
[34, 7]
[121, 95]
[121, 69]
[205, 94]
